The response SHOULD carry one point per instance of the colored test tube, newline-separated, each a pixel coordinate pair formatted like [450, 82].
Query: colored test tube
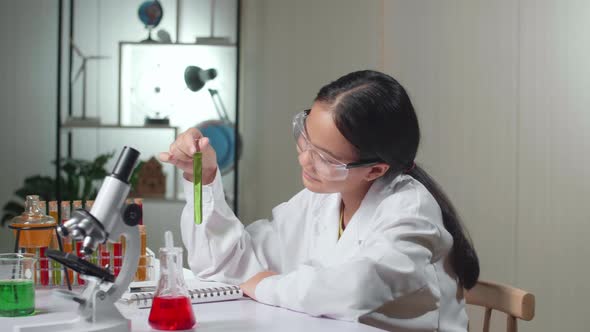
[78, 249]
[197, 185]
[141, 273]
[117, 259]
[43, 267]
[43, 264]
[77, 204]
[67, 241]
[55, 266]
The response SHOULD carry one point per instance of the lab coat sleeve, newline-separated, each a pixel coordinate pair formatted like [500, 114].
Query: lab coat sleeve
[395, 262]
[221, 248]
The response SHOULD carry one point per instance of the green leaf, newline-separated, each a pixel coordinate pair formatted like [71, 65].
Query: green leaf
[135, 175]
[87, 188]
[11, 210]
[13, 207]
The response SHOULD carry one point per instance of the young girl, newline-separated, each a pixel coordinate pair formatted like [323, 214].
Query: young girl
[372, 233]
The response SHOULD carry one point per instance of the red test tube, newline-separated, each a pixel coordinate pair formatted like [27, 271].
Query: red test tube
[117, 260]
[43, 267]
[78, 249]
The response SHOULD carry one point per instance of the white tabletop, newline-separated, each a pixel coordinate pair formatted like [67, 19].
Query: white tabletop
[237, 315]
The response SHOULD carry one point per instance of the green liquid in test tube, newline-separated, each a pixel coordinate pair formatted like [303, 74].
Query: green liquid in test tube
[198, 189]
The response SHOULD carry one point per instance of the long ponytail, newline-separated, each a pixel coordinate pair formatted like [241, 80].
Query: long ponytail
[463, 257]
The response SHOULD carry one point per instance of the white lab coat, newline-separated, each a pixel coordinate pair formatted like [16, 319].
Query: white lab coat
[393, 251]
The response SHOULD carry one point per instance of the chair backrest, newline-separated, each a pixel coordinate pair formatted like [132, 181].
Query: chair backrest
[515, 303]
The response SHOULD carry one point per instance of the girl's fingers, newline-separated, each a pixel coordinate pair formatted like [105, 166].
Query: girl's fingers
[184, 165]
[165, 157]
[204, 144]
[188, 144]
[180, 152]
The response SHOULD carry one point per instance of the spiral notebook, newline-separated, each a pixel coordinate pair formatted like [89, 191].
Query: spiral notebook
[141, 294]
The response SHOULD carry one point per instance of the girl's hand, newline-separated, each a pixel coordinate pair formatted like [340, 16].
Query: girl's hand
[181, 155]
[249, 287]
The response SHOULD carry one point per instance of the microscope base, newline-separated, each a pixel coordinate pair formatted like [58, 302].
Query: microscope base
[78, 325]
[97, 315]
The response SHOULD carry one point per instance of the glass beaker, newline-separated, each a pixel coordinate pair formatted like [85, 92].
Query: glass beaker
[172, 309]
[17, 292]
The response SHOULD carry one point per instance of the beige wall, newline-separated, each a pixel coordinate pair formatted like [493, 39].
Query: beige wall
[290, 49]
[28, 59]
[499, 87]
[554, 176]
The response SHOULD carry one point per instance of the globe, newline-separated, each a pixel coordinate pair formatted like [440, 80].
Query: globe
[150, 13]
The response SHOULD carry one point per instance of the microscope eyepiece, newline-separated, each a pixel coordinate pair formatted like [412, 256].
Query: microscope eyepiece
[125, 164]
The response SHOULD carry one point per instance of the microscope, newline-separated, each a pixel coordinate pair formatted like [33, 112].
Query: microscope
[108, 219]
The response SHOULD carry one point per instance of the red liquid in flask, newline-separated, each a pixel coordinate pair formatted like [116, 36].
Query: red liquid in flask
[172, 313]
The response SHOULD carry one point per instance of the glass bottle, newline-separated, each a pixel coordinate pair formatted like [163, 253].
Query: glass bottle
[33, 217]
[171, 309]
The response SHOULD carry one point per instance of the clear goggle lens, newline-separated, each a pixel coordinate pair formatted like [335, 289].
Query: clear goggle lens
[324, 165]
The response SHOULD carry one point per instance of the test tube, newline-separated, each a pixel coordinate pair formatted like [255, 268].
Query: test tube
[117, 253]
[77, 204]
[43, 267]
[67, 241]
[141, 274]
[43, 264]
[55, 266]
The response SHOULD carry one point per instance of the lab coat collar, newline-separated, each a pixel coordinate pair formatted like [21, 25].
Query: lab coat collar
[327, 215]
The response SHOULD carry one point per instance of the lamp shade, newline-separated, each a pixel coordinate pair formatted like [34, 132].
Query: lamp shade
[195, 77]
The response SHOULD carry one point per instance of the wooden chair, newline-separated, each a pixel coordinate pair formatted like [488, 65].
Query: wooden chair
[514, 302]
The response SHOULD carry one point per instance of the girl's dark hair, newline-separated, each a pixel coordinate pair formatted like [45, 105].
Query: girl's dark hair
[374, 113]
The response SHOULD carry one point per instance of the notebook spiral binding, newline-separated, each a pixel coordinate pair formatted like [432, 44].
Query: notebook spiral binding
[212, 292]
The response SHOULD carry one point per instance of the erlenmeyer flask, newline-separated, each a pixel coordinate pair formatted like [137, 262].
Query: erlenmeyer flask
[171, 309]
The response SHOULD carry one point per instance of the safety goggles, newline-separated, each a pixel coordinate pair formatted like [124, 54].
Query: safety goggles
[325, 166]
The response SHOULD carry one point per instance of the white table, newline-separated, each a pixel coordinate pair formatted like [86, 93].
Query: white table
[237, 315]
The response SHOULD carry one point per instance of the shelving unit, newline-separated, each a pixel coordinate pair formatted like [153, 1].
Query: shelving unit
[76, 140]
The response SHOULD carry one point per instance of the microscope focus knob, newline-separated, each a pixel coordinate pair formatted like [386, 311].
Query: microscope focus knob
[132, 214]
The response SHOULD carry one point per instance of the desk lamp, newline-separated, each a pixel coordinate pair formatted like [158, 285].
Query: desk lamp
[220, 132]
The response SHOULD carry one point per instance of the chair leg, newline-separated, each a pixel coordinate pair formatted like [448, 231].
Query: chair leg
[486, 320]
[511, 324]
